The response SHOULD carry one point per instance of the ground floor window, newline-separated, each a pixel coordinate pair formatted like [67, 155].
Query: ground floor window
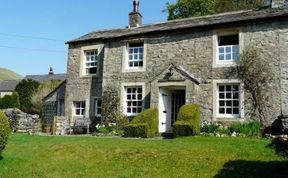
[228, 100]
[98, 107]
[79, 108]
[134, 102]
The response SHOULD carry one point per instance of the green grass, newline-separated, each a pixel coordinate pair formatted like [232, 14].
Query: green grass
[42, 156]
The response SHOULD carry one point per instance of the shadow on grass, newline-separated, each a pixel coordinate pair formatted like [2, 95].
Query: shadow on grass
[254, 169]
[1, 158]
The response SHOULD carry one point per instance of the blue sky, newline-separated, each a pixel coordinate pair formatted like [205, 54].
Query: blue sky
[33, 32]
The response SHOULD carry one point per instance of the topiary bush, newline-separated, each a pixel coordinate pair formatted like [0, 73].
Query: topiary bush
[10, 101]
[4, 131]
[149, 117]
[136, 130]
[188, 121]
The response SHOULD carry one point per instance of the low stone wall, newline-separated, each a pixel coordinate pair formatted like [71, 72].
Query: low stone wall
[61, 125]
[23, 122]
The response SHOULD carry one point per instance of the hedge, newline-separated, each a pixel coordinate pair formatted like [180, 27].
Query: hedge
[149, 117]
[188, 121]
[4, 131]
[136, 130]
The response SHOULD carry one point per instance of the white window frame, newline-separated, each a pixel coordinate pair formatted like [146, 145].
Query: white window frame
[124, 87]
[83, 67]
[92, 62]
[227, 117]
[220, 33]
[80, 107]
[96, 107]
[125, 63]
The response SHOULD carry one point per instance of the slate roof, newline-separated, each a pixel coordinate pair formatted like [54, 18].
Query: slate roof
[188, 23]
[8, 85]
[42, 78]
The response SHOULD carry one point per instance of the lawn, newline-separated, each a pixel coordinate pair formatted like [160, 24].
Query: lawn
[52, 156]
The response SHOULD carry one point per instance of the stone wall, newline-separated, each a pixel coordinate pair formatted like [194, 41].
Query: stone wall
[22, 122]
[194, 50]
[79, 87]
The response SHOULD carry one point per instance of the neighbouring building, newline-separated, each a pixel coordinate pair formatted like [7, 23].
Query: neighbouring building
[168, 64]
[7, 87]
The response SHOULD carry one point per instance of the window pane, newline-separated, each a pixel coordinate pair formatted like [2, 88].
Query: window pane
[221, 57]
[235, 110]
[228, 96]
[228, 56]
[236, 95]
[129, 90]
[228, 103]
[228, 88]
[236, 103]
[221, 88]
[128, 110]
[130, 50]
[221, 110]
[228, 50]
[228, 110]
[136, 50]
[221, 95]
[221, 50]
[222, 103]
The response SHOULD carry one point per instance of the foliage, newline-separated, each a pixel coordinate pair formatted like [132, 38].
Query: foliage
[43, 90]
[83, 156]
[10, 101]
[281, 145]
[136, 130]
[254, 71]
[25, 89]
[4, 131]
[109, 129]
[210, 128]
[150, 117]
[190, 114]
[193, 8]
[249, 129]
[182, 128]
[111, 111]
[189, 8]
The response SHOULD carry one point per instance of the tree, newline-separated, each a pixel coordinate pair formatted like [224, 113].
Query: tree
[10, 101]
[189, 8]
[193, 8]
[26, 89]
[43, 90]
[254, 71]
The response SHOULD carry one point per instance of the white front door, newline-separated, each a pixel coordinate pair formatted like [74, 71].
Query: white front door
[164, 111]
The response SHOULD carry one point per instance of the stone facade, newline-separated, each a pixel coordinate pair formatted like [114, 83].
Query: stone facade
[194, 49]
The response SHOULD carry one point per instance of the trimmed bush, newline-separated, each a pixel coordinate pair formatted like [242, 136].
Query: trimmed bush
[10, 101]
[4, 131]
[249, 129]
[149, 117]
[188, 119]
[136, 130]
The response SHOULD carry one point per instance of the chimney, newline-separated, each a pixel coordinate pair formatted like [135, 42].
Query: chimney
[51, 71]
[135, 18]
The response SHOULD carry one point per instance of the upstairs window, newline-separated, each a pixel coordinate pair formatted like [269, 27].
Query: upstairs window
[91, 62]
[228, 49]
[135, 55]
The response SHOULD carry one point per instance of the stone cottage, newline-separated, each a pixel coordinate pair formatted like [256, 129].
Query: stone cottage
[168, 64]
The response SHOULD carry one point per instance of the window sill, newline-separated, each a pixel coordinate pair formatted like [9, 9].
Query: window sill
[127, 70]
[88, 76]
[227, 64]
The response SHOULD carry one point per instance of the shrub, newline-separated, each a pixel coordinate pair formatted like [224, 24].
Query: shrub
[281, 145]
[182, 128]
[4, 130]
[210, 128]
[188, 118]
[249, 129]
[10, 101]
[149, 117]
[136, 130]
[26, 89]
